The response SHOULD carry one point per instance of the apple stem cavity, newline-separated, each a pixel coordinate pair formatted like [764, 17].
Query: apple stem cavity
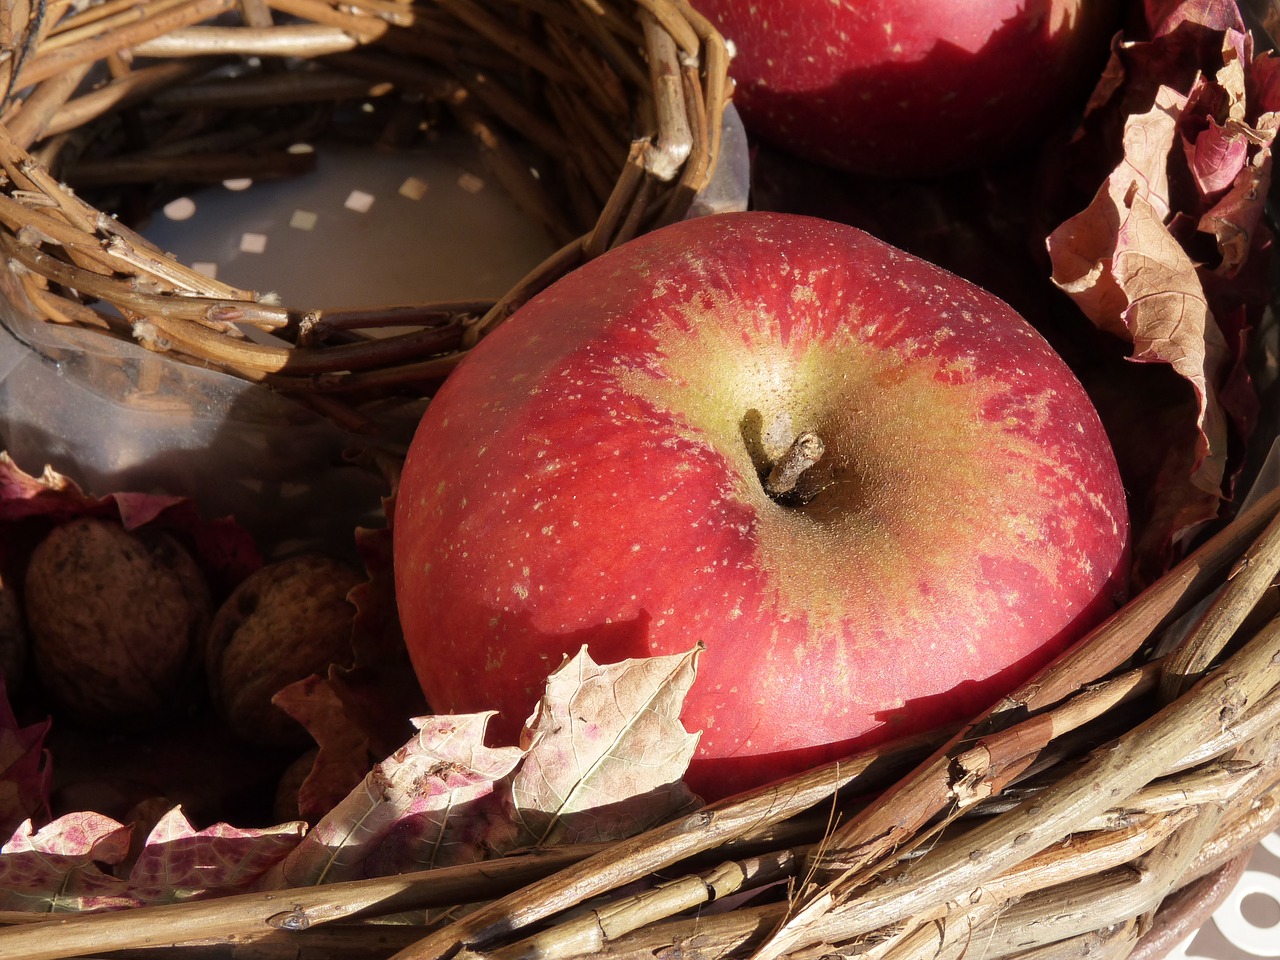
[805, 450]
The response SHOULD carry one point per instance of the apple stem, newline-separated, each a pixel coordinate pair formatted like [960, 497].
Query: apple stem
[806, 450]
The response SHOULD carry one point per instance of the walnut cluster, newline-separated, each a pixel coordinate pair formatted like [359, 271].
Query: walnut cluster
[121, 627]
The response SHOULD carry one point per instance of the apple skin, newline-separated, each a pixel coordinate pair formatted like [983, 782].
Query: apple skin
[910, 87]
[590, 473]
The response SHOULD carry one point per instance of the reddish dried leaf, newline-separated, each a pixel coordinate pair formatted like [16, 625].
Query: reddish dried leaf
[1235, 220]
[344, 755]
[224, 550]
[1165, 16]
[428, 804]
[1216, 156]
[25, 772]
[379, 691]
[607, 750]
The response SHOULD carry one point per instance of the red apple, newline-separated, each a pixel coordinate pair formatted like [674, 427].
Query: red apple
[592, 473]
[910, 87]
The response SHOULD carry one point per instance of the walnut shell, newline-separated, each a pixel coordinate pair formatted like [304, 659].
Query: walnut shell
[283, 623]
[116, 619]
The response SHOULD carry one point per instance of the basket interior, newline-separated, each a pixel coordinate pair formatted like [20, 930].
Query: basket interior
[600, 120]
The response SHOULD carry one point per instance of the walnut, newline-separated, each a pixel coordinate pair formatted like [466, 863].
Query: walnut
[285, 622]
[116, 619]
[286, 805]
[13, 637]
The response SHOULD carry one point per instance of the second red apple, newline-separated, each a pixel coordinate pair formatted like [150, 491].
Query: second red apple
[910, 87]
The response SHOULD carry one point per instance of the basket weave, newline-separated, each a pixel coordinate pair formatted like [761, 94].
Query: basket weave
[1099, 810]
[616, 104]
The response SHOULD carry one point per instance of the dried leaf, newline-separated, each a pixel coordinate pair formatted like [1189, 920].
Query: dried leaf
[607, 750]
[181, 863]
[1235, 219]
[344, 755]
[379, 690]
[25, 773]
[225, 551]
[428, 804]
[57, 868]
[1188, 115]
[1084, 248]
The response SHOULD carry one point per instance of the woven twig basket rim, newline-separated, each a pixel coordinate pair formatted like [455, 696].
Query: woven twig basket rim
[657, 62]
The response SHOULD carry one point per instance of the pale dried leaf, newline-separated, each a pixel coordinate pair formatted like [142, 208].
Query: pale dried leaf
[1131, 277]
[1169, 321]
[1083, 248]
[58, 868]
[607, 749]
[423, 806]
[179, 862]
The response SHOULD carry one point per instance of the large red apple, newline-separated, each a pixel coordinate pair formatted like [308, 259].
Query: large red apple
[594, 473]
[910, 87]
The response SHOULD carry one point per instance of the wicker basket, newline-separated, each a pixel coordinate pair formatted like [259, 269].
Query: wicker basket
[615, 104]
[1099, 810]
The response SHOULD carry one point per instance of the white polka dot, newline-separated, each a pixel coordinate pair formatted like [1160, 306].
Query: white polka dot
[183, 208]
[1231, 921]
[359, 201]
[413, 188]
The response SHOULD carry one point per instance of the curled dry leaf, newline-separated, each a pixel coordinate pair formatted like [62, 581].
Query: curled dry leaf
[60, 867]
[603, 758]
[25, 773]
[179, 862]
[607, 750]
[427, 805]
[379, 691]
[1168, 253]
[344, 754]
